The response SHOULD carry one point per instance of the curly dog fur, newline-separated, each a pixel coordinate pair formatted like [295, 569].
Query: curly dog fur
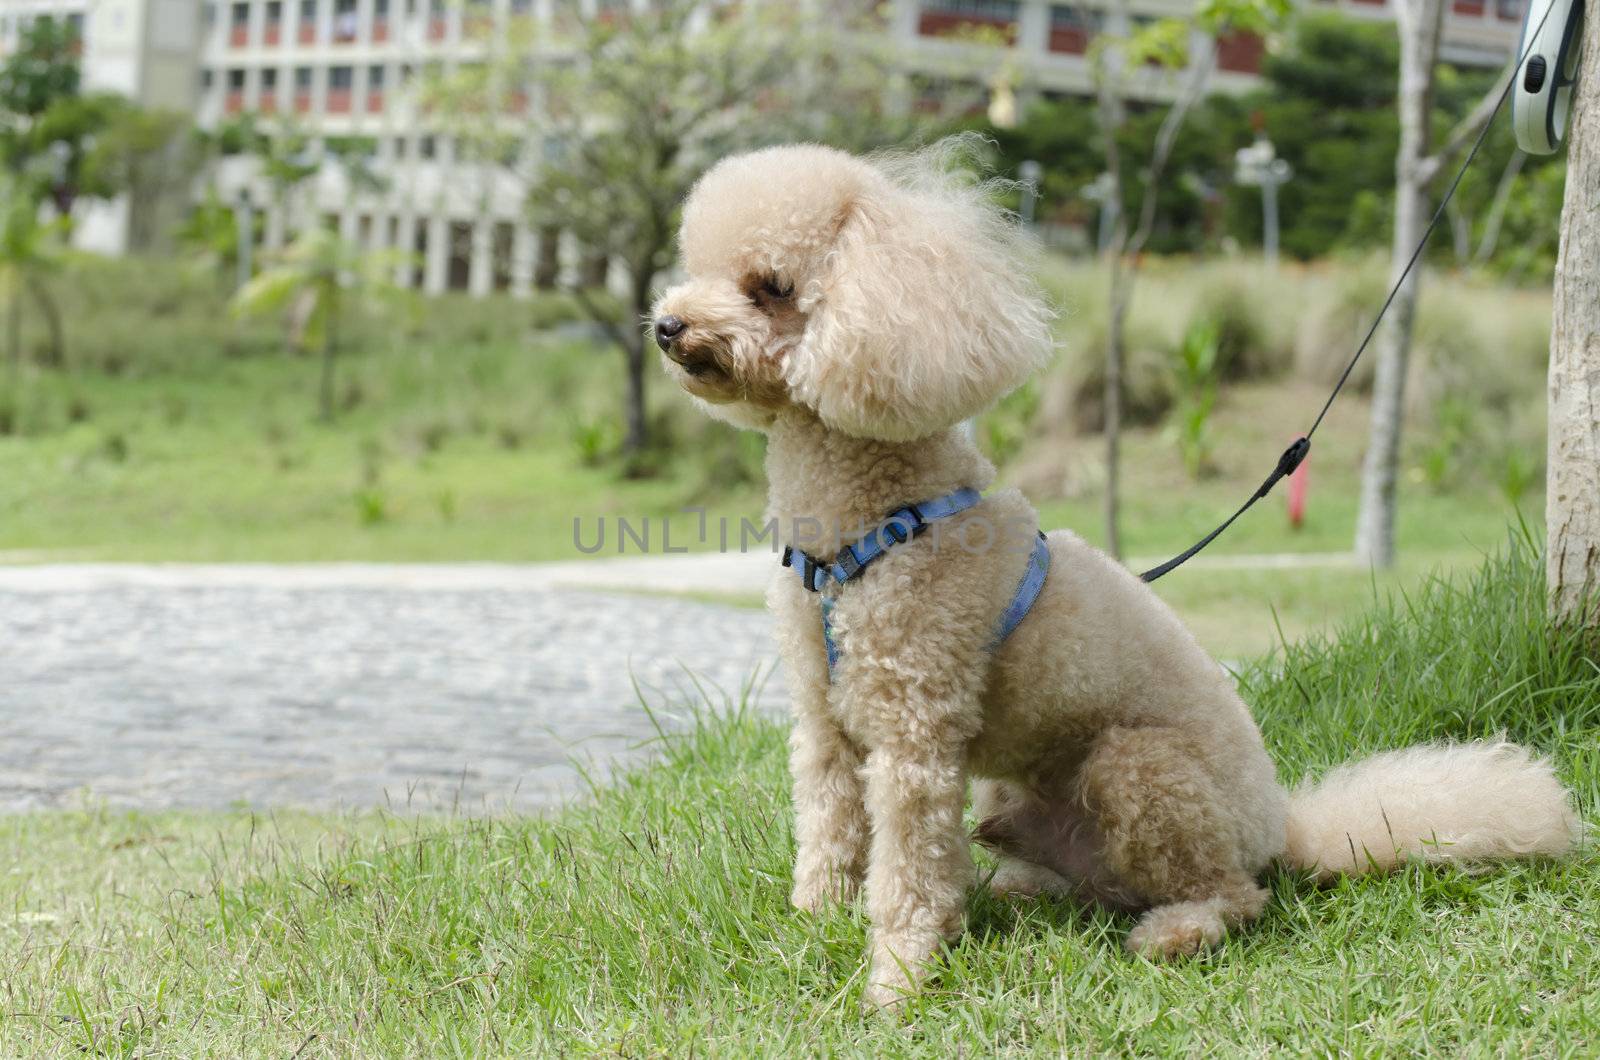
[857, 310]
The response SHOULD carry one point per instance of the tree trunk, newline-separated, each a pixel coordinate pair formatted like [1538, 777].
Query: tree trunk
[1113, 409]
[1572, 503]
[1419, 23]
[633, 347]
[56, 352]
[1497, 209]
[1111, 114]
[638, 431]
[330, 350]
[14, 320]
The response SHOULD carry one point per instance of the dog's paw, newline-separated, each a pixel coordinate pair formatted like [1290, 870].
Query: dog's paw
[813, 894]
[1019, 879]
[887, 998]
[900, 964]
[1179, 930]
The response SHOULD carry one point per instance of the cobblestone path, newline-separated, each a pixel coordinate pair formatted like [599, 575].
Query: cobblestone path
[206, 695]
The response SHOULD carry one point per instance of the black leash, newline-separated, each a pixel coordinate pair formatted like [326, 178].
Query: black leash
[1296, 453]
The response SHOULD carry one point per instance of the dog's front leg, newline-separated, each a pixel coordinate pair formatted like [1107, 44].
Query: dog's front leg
[919, 865]
[830, 819]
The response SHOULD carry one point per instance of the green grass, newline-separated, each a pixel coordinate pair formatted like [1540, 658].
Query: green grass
[465, 432]
[469, 432]
[652, 920]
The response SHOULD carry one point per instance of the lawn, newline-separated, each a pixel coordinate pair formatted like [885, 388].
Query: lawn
[481, 430]
[652, 919]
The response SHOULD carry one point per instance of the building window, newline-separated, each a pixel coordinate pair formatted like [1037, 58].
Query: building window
[1071, 29]
[942, 17]
[233, 103]
[239, 25]
[272, 31]
[399, 148]
[302, 79]
[269, 80]
[375, 76]
[1239, 52]
[307, 33]
[340, 80]
[425, 147]
[1510, 10]
[344, 20]
[977, 10]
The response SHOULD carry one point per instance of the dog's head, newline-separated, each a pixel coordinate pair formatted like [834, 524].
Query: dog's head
[887, 298]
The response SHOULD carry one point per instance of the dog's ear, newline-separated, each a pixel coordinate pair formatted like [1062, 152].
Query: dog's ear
[924, 313]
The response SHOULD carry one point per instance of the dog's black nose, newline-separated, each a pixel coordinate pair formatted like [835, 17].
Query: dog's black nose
[667, 329]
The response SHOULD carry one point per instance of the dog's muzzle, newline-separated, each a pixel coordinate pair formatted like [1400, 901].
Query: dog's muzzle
[668, 329]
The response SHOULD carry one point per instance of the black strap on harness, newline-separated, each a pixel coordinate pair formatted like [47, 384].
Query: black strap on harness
[1296, 453]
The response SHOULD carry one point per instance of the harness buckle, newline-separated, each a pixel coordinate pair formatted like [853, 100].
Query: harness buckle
[813, 575]
[846, 561]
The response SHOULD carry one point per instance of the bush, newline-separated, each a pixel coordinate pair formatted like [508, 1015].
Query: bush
[1196, 366]
[1245, 309]
[1333, 324]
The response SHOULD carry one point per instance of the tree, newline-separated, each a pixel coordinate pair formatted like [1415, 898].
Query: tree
[1165, 42]
[650, 99]
[42, 69]
[283, 153]
[149, 156]
[28, 256]
[46, 123]
[211, 233]
[1572, 502]
[312, 278]
[1416, 166]
[58, 144]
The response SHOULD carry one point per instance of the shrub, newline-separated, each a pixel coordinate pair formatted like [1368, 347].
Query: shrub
[1247, 308]
[1332, 325]
[1196, 366]
[372, 506]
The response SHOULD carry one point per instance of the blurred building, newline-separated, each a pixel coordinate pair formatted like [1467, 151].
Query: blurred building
[344, 72]
[1047, 42]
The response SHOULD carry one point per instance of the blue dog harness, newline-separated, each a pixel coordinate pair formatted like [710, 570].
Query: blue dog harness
[900, 526]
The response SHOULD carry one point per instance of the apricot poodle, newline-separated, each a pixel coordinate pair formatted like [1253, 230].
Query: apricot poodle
[858, 311]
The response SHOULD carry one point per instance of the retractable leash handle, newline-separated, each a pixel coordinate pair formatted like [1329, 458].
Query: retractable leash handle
[1551, 40]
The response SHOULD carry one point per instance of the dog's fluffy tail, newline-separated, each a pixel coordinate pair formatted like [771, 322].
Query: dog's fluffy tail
[1438, 802]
